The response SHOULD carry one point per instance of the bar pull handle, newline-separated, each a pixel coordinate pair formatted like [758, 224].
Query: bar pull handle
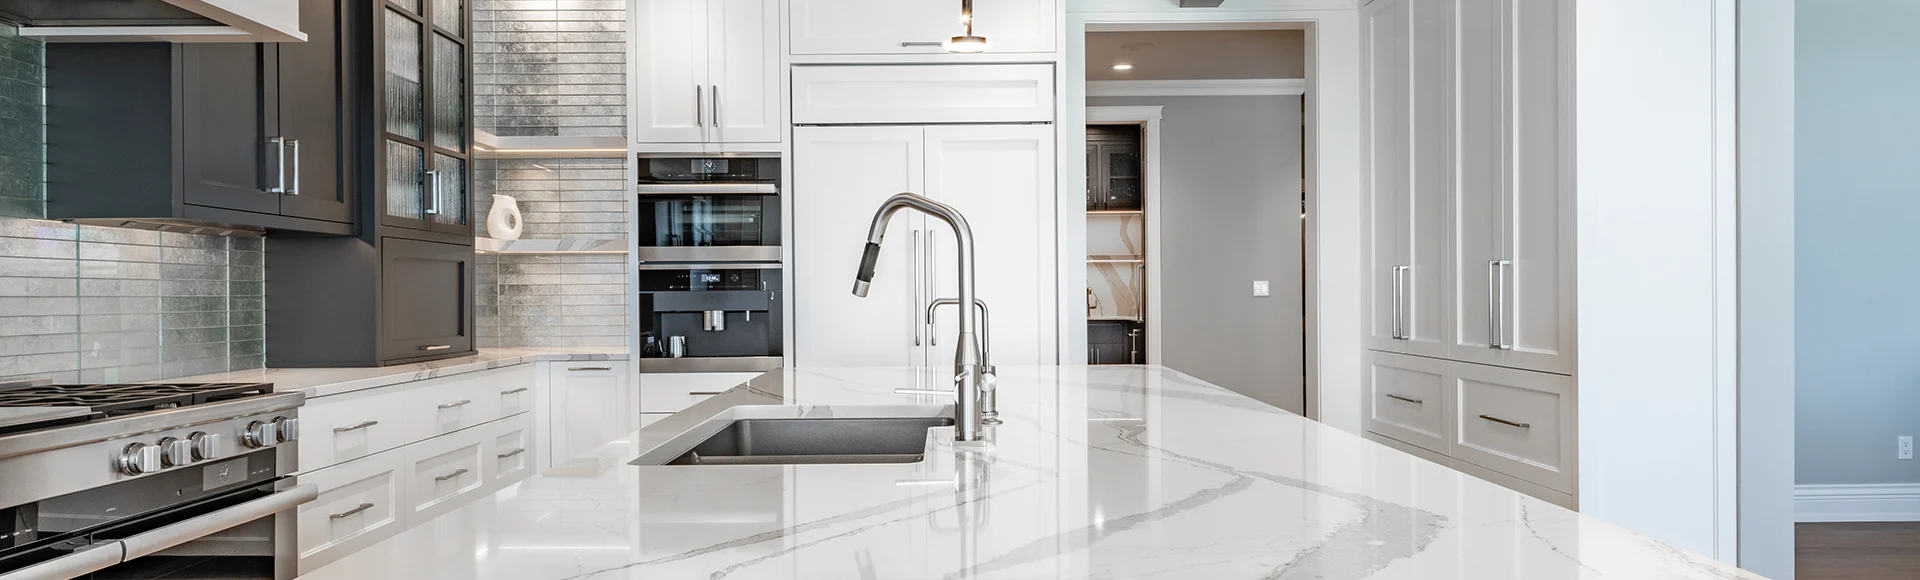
[1406, 398]
[356, 427]
[433, 207]
[1497, 297]
[349, 513]
[280, 163]
[295, 188]
[715, 99]
[512, 453]
[1506, 422]
[514, 391]
[933, 289]
[1399, 302]
[700, 108]
[589, 368]
[705, 393]
[920, 43]
[918, 291]
[456, 473]
[436, 347]
[459, 403]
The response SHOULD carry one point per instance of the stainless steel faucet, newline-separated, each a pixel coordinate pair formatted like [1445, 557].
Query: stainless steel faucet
[989, 398]
[969, 374]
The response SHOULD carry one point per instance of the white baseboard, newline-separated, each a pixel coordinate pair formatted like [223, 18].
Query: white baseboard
[1875, 502]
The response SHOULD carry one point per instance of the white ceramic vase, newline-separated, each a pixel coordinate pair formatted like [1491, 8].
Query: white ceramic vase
[503, 221]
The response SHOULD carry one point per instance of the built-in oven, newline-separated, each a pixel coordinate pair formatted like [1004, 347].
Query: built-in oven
[715, 317]
[708, 209]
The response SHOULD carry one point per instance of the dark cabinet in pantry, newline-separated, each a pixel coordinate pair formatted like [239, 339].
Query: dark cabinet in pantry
[1116, 342]
[245, 136]
[1113, 168]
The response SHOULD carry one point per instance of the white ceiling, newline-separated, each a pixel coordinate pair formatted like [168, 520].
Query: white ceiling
[1204, 54]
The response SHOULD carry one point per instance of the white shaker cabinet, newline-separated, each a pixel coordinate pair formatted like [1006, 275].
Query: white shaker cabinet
[999, 176]
[706, 71]
[1406, 188]
[1512, 210]
[844, 27]
[590, 404]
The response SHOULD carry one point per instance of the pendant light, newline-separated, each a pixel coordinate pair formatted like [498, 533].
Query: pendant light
[967, 43]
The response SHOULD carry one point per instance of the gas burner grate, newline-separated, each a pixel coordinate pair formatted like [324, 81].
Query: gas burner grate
[126, 399]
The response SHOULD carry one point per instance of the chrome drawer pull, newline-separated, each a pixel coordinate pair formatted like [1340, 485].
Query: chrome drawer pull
[705, 393]
[514, 391]
[513, 453]
[456, 473]
[921, 43]
[590, 368]
[1506, 422]
[362, 425]
[456, 403]
[436, 347]
[349, 513]
[1407, 399]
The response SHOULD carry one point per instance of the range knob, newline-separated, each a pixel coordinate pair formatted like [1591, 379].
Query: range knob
[260, 434]
[205, 445]
[289, 428]
[175, 452]
[138, 458]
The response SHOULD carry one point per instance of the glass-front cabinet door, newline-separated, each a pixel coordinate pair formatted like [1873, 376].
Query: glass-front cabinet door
[424, 92]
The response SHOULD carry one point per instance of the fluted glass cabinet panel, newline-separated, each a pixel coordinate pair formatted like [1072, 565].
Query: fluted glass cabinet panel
[449, 94]
[406, 181]
[403, 94]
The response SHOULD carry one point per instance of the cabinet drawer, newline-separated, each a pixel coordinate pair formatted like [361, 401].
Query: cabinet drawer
[838, 95]
[1516, 422]
[445, 472]
[360, 504]
[674, 392]
[346, 427]
[471, 399]
[1407, 399]
[512, 451]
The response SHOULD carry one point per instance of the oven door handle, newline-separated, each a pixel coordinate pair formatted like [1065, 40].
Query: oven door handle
[735, 188]
[171, 535]
[94, 558]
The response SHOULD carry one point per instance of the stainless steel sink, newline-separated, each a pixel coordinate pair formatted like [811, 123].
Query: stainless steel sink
[814, 440]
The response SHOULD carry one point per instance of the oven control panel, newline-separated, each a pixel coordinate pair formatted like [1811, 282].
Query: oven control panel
[205, 443]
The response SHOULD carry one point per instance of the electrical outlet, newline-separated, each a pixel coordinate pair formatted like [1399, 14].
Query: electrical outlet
[1260, 289]
[1906, 447]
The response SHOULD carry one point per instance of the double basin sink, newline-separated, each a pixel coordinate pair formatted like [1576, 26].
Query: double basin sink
[802, 440]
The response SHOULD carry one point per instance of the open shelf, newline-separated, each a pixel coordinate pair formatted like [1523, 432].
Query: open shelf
[593, 246]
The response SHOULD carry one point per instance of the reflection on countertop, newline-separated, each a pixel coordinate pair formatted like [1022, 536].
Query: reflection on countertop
[1099, 472]
[320, 382]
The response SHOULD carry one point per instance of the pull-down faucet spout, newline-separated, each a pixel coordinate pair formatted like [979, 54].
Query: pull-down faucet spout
[968, 374]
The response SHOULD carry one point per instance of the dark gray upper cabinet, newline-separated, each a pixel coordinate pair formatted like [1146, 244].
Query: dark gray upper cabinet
[1113, 168]
[422, 120]
[244, 135]
[426, 291]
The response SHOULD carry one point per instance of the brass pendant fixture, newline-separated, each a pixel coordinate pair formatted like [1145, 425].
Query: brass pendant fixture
[967, 43]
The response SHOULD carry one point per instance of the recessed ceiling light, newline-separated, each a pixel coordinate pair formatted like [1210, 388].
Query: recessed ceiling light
[1122, 66]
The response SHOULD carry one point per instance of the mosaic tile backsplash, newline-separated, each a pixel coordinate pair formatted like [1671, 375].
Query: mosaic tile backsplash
[545, 300]
[550, 67]
[92, 304]
[23, 151]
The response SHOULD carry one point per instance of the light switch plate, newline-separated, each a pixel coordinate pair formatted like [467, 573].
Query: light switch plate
[1260, 289]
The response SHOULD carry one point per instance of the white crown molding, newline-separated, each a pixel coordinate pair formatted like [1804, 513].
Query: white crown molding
[1136, 114]
[1881, 502]
[1197, 88]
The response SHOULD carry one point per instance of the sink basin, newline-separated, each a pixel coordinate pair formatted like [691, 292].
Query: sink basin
[813, 441]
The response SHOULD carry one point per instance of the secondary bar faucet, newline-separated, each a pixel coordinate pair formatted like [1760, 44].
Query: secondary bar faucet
[989, 399]
[969, 373]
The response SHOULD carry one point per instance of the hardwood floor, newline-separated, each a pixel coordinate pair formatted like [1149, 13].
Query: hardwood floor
[1857, 551]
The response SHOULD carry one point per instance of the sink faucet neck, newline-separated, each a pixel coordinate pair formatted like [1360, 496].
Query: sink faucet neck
[968, 359]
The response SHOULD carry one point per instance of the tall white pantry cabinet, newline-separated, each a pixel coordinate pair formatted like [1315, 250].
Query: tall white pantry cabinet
[1470, 236]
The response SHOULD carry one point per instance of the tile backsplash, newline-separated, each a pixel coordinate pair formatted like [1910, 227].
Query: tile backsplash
[546, 300]
[550, 67]
[93, 304]
[23, 151]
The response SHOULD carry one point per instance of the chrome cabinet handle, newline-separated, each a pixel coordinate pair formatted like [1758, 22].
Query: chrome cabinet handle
[705, 393]
[933, 289]
[919, 292]
[1407, 399]
[1497, 297]
[700, 109]
[456, 473]
[436, 347]
[512, 453]
[920, 43]
[280, 163]
[1400, 302]
[514, 391]
[714, 96]
[295, 188]
[459, 403]
[1506, 422]
[356, 427]
[349, 513]
[432, 208]
[589, 368]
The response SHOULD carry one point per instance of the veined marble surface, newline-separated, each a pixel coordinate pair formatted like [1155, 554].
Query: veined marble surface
[1099, 472]
[321, 382]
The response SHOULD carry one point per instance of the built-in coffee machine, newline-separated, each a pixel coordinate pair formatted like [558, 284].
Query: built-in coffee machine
[710, 287]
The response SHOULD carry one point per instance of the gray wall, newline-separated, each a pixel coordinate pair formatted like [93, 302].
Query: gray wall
[1767, 264]
[1229, 215]
[1858, 203]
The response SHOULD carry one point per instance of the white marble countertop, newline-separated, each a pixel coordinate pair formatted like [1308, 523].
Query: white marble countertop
[321, 382]
[1099, 472]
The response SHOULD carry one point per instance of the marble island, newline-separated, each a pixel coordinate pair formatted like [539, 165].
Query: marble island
[1097, 472]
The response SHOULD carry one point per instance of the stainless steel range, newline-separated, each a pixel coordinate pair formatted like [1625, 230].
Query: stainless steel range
[148, 480]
